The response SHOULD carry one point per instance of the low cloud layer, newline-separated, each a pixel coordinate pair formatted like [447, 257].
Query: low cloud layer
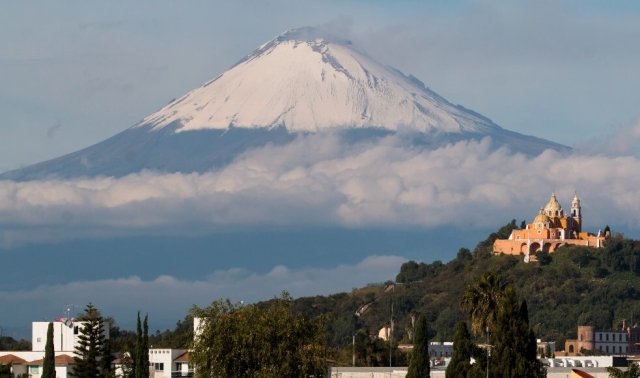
[318, 180]
[168, 299]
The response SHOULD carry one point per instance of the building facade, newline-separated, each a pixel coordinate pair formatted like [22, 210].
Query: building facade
[550, 230]
[617, 342]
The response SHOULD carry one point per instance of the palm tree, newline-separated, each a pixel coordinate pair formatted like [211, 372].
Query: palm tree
[481, 301]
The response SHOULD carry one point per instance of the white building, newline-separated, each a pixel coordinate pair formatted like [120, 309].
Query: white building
[166, 363]
[65, 339]
[65, 334]
[612, 342]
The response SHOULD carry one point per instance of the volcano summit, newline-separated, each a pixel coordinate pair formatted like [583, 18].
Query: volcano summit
[303, 81]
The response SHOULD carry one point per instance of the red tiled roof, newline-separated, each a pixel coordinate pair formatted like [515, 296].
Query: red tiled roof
[63, 359]
[184, 357]
[11, 359]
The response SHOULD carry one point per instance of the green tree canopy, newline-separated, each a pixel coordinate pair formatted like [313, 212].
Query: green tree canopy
[513, 353]
[236, 340]
[632, 372]
[481, 301]
[463, 349]
[419, 364]
[49, 363]
[89, 348]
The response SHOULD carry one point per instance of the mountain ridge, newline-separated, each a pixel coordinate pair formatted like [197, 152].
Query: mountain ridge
[302, 81]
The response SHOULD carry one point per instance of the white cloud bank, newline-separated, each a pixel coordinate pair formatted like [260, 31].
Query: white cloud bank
[167, 299]
[319, 180]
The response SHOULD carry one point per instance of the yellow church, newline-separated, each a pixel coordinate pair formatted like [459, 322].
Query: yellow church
[550, 229]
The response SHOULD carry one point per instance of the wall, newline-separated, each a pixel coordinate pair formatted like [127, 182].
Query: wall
[64, 337]
[166, 357]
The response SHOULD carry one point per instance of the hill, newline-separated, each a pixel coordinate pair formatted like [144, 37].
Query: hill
[572, 286]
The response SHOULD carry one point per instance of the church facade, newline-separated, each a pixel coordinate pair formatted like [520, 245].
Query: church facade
[551, 229]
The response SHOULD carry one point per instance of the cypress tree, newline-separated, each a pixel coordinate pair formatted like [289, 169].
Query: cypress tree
[514, 345]
[419, 365]
[49, 363]
[137, 361]
[460, 363]
[140, 366]
[145, 348]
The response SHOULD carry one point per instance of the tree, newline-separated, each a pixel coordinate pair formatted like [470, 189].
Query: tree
[5, 372]
[49, 363]
[463, 349]
[632, 372]
[141, 351]
[481, 301]
[106, 359]
[89, 345]
[370, 350]
[514, 349]
[236, 340]
[419, 363]
[144, 350]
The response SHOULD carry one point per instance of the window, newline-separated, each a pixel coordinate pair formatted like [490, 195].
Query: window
[34, 369]
[75, 330]
[570, 348]
[178, 366]
[158, 366]
[38, 340]
[607, 338]
[607, 349]
[600, 337]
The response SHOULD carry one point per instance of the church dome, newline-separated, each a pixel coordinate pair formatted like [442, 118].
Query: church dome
[541, 218]
[553, 208]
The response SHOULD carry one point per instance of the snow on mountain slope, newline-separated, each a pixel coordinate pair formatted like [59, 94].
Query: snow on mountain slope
[308, 81]
[302, 81]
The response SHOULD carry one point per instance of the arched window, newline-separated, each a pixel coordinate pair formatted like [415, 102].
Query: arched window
[570, 348]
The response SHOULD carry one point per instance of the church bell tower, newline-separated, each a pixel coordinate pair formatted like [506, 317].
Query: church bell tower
[576, 214]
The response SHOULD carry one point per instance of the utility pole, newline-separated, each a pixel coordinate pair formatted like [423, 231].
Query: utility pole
[488, 351]
[354, 351]
[393, 293]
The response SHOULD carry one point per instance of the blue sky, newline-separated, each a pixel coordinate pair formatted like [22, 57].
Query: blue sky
[76, 73]
[73, 74]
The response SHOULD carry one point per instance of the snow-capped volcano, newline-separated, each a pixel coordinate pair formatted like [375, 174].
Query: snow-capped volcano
[302, 81]
[308, 81]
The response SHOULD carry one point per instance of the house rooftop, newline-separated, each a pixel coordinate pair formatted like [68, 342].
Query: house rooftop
[63, 359]
[12, 359]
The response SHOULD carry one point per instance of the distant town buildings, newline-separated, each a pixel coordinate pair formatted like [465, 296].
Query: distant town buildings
[65, 339]
[550, 230]
[163, 362]
[616, 342]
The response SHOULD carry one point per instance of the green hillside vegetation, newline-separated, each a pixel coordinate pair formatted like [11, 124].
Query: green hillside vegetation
[569, 287]
[9, 343]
